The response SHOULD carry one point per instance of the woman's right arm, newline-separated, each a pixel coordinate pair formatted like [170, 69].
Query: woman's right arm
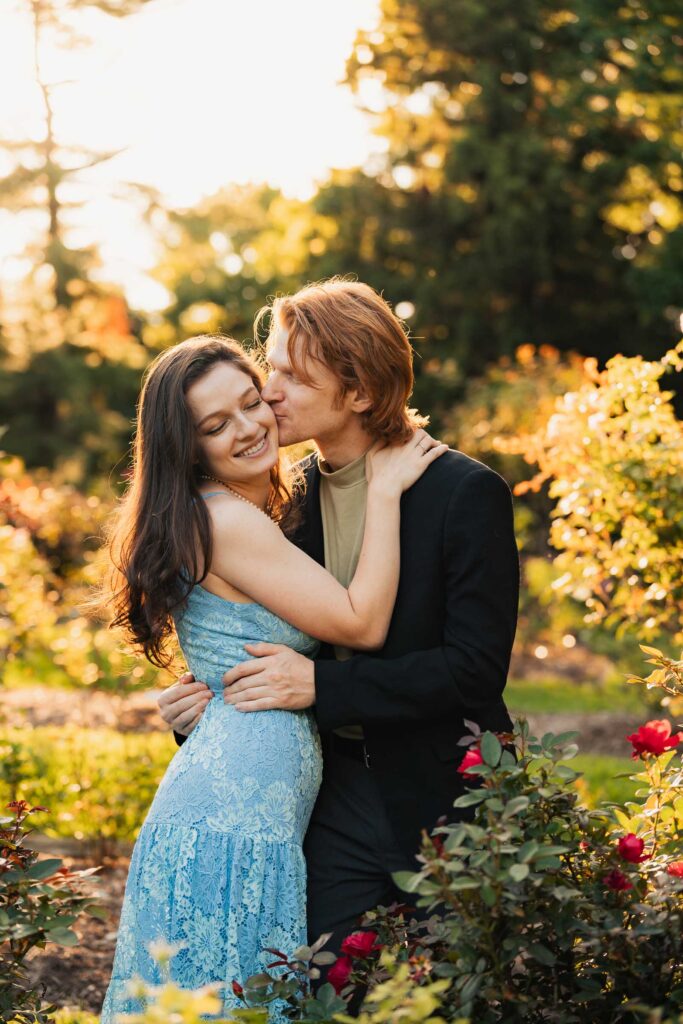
[252, 554]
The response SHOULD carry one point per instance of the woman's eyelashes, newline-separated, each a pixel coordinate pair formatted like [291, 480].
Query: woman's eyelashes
[217, 430]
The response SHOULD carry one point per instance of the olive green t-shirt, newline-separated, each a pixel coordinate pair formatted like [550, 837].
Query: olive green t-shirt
[343, 497]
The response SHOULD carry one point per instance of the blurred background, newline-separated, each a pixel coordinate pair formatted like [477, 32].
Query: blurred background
[507, 174]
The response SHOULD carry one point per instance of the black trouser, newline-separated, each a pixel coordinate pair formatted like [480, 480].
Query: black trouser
[350, 846]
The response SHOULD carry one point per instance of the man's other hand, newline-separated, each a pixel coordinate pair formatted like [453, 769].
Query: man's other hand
[277, 677]
[183, 704]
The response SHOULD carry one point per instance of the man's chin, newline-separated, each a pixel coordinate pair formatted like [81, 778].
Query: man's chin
[286, 438]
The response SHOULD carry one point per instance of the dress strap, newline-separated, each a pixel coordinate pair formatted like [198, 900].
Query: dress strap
[212, 494]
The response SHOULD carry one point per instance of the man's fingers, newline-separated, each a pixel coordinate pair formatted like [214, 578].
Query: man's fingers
[261, 649]
[245, 668]
[235, 692]
[258, 704]
[248, 691]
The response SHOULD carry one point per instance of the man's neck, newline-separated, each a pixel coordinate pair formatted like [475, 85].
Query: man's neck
[344, 449]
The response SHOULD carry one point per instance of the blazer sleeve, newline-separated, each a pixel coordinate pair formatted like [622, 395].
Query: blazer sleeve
[466, 674]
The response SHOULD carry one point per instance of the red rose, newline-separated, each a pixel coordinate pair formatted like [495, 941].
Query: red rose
[360, 944]
[675, 868]
[654, 738]
[583, 845]
[339, 972]
[472, 757]
[617, 881]
[237, 989]
[438, 844]
[631, 848]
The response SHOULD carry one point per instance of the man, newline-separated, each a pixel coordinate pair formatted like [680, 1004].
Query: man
[390, 721]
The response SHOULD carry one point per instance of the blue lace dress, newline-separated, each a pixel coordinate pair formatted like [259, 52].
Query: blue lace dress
[218, 866]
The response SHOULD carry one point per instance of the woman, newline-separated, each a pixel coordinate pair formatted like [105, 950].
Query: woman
[199, 545]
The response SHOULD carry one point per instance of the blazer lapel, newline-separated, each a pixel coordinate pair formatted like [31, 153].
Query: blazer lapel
[312, 527]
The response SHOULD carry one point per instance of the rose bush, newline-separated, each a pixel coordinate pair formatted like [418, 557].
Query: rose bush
[39, 901]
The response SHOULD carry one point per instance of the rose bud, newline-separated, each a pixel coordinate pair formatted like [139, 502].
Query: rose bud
[618, 881]
[237, 989]
[654, 738]
[675, 868]
[437, 843]
[472, 757]
[339, 973]
[360, 944]
[631, 848]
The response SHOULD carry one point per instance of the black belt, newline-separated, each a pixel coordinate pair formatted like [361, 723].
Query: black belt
[355, 749]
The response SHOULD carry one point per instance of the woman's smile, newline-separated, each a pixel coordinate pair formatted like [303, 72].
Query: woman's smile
[255, 450]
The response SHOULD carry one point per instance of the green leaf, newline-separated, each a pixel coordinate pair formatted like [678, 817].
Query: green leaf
[542, 954]
[324, 958]
[477, 796]
[471, 987]
[514, 806]
[408, 881]
[329, 1000]
[63, 937]
[562, 737]
[518, 872]
[302, 953]
[43, 868]
[491, 749]
[488, 895]
[527, 851]
[463, 883]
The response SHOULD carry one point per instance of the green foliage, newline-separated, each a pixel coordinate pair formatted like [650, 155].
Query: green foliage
[532, 182]
[39, 902]
[97, 783]
[399, 1000]
[542, 916]
[50, 536]
[666, 677]
[69, 1016]
[613, 453]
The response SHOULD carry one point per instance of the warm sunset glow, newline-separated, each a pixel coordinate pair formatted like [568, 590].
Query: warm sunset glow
[198, 94]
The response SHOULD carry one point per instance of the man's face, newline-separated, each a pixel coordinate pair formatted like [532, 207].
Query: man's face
[304, 410]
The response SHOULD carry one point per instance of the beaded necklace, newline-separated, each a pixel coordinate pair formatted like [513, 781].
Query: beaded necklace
[215, 480]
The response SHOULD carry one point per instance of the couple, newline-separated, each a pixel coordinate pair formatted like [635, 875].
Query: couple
[209, 540]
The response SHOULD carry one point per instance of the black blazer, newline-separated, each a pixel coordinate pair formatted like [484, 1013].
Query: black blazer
[447, 653]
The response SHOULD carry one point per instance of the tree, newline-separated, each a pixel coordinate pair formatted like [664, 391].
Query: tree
[42, 168]
[531, 187]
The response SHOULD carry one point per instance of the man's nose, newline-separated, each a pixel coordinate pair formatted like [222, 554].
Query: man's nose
[271, 389]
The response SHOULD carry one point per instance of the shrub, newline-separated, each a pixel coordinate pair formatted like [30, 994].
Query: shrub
[49, 540]
[551, 911]
[544, 910]
[39, 901]
[613, 454]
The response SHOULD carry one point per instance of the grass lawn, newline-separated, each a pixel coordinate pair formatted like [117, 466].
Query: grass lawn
[558, 696]
[599, 782]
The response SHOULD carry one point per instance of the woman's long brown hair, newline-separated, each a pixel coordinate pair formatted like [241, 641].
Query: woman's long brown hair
[160, 540]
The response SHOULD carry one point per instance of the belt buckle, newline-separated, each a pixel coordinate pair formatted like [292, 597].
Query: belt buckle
[366, 757]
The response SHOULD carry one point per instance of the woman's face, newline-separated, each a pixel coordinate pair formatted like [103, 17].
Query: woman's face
[236, 430]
